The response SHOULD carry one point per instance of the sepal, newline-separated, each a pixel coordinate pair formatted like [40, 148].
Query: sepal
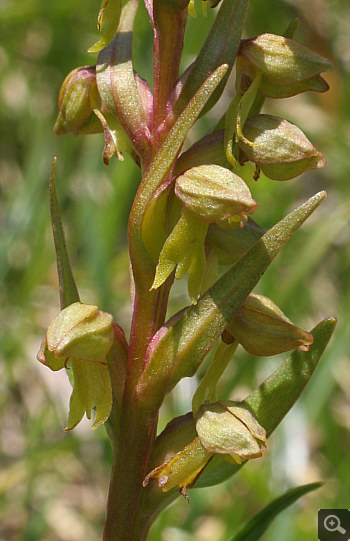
[81, 331]
[229, 428]
[214, 193]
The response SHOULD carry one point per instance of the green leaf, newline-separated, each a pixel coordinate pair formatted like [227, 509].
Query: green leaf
[68, 289]
[258, 524]
[220, 47]
[275, 396]
[116, 81]
[179, 347]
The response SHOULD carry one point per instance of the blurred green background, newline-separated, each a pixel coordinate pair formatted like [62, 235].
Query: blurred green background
[53, 484]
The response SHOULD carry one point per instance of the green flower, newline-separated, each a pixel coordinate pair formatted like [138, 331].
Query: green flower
[79, 339]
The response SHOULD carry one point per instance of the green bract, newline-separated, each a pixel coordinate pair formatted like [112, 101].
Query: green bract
[107, 21]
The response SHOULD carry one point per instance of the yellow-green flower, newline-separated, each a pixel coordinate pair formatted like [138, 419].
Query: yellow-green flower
[79, 339]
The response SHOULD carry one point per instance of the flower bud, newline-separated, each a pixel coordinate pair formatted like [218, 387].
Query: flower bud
[264, 330]
[77, 98]
[281, 60]
[214, 193]
[246, 72]
[229, 428]
[278, 147]
[81, 331]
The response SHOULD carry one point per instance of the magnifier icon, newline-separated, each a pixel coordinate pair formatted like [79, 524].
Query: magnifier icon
[332, 524]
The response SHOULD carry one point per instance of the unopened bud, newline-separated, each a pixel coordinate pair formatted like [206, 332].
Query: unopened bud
[214, 193]
[77, 98]
[264, 330]
[229, 428]
[281, 60]
[278, 147]
[246, 72]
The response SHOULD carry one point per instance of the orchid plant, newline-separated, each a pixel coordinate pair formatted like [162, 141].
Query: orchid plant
[191, 217]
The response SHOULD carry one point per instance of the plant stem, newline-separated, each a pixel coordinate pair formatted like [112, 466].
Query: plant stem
[138, 425]
[137, 433]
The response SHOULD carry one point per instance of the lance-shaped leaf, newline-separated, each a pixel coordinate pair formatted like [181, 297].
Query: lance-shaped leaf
[178, 348]
[68, 289]
[220, 47]
[116, 82]
[272, 400]
[258, 524]
[158, 171]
